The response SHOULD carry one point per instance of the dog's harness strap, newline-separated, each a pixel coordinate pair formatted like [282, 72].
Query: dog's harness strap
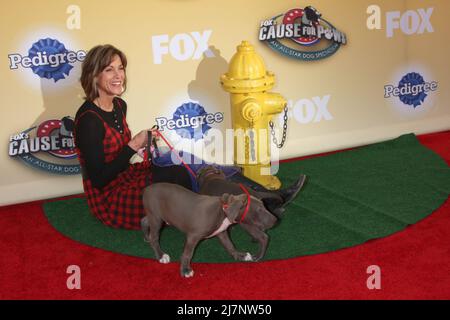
[248, 202]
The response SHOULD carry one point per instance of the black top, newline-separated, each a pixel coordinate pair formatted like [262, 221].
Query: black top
[90, 132]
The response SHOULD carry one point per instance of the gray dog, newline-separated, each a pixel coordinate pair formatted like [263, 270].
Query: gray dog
[212, 181]
[201, 217]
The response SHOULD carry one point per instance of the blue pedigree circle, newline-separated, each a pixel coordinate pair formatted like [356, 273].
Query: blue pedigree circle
[413, 79]
[189, 110]
[49, 47]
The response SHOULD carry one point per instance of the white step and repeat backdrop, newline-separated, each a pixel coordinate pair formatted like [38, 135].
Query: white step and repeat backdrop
[355, 72]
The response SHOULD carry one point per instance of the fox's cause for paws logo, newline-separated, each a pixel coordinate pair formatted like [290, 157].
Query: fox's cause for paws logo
[52, 140]
[302, 33]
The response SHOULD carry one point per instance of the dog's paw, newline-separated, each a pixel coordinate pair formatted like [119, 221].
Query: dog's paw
[188, 273]
[256, 259]
[165, 259]
[243, 256]
[248, 257]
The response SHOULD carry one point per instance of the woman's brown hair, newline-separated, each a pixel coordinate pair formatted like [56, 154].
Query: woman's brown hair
[97, 59]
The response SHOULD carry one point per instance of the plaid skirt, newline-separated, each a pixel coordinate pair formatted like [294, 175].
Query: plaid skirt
[119, 204]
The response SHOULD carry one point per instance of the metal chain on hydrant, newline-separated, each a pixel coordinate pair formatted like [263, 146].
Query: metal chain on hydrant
[272, 131]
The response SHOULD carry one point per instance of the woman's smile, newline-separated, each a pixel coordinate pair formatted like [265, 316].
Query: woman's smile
[110, 80]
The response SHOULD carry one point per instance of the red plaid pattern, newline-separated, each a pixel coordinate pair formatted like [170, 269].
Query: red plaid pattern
[118, 204]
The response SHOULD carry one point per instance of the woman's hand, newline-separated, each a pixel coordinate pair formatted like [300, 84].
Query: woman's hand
[139, 141]
[141, 151]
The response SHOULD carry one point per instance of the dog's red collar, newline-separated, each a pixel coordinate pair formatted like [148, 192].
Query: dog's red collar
[225, 205]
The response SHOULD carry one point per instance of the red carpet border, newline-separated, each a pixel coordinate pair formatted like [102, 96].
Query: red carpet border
[414, 264]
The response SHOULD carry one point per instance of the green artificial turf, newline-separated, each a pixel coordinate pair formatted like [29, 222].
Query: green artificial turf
[350, 197]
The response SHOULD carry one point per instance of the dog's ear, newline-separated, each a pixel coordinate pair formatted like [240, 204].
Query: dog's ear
[234, 205]
[225, 197]
[201, 173]
[260, 216]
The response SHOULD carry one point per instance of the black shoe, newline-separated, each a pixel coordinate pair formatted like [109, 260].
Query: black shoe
[291, 192]
[274, 206]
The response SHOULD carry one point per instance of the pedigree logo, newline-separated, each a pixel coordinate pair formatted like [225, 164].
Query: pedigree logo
[48, 58]
[52, 140]
[302, 34]
[412, 89]
[190, 121]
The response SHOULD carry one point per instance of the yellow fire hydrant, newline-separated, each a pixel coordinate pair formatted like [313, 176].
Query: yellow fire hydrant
[252, 107]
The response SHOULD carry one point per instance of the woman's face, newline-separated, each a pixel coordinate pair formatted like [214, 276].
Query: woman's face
[110, 80]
